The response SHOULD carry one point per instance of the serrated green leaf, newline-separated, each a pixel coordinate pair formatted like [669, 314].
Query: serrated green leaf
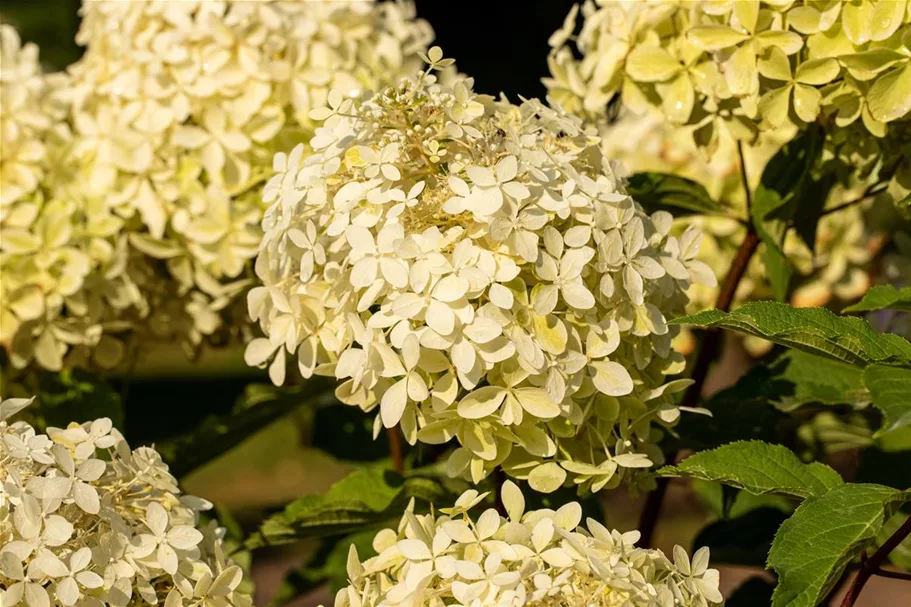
[744, 540]
[663, 191]
[890, 391]
[364, 497]
[883, 297]
[759, 468]
[778, 197]
[812, 330]
[260, 406]
[813, 547]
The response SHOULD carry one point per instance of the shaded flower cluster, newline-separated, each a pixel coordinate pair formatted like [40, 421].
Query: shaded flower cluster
[539, 557]
[132, 183]
[738, 67]
[475, 270]
[86, 521]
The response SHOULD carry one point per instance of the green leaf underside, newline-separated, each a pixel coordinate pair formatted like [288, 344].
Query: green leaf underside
[663, 191]
[739, 413]
[813, 547]
[890, 391]
[800, 378]
[217, 434]
[759, 468]
[883, 297]
[778, 198]
[365, 497]
[812, 330]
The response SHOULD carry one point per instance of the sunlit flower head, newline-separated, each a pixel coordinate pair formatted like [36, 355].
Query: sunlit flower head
[538, 557]
[85, 520]
[738, 67]
[132, 200]
[474, 269]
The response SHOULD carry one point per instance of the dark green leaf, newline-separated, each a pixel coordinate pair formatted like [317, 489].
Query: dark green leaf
[890, 391]
[260, 406]
[800, 378]
[811, 207]
[777, 198]
[883, 297]
[663, 191]
[744, 540]
[363, 498]
[76, 396]
[741, 412]
[812, 330]
[755, 592]
[813, 547]
[758, 468]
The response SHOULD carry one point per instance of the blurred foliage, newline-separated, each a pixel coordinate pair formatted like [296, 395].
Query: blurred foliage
[51, 24]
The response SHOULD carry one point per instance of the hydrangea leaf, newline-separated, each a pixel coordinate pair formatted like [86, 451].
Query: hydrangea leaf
[260, 406]
[364, 497]
[812, 330]
[777, 199]
[813, 547]
[890, 390]
[883, 297]
[678, 195]
[800, 378]
[759, 468]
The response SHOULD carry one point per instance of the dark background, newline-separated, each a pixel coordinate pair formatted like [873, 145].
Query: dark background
[502, 43]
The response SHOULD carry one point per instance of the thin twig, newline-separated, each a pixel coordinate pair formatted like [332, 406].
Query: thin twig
[873, 190]
[708, 351]
[871, 565]
[395, 449]
[895, 575]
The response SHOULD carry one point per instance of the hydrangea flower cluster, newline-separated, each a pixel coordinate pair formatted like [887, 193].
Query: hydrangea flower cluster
[740, 66]
[131, 201]
[84, 520]
[539, 557]
[475, 270]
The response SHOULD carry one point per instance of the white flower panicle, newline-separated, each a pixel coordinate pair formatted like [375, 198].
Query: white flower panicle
[539, 557]
[142, 214]
[474, 269]
[85, 521]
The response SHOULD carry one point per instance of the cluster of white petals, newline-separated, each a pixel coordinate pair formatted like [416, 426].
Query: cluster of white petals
[87, 522]
[132, 183]
[475, 270]
[540, 557]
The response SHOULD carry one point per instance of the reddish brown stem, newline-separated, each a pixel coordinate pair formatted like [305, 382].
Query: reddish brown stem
[395, 449]
[871, 565]
[708, 351]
